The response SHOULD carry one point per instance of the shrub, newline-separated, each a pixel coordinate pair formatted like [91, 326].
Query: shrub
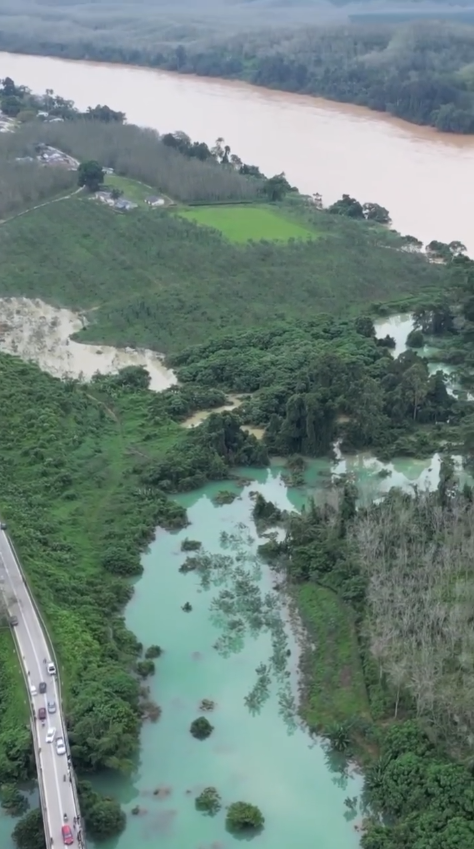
[209, 801]
[242, 816]
[201, 728]
[190, 544]
[153, 651]
[28, 832]
[145, 668]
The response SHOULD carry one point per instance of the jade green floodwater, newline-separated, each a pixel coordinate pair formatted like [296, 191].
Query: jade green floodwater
[267, 759]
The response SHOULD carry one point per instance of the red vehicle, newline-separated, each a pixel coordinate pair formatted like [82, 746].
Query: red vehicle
[68, 838]
[42, 714]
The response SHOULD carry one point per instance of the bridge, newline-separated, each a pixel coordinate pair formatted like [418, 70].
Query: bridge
[56, 779]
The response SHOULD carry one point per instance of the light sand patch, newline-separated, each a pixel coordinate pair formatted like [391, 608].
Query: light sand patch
[202, 415]
[40, 333]
[232, 404]
[255, 431]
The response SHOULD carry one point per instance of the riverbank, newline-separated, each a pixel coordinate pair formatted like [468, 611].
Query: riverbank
[329, 62]
[207, 109]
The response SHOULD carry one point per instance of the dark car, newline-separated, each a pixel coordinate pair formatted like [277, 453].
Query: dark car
[43, 687]
[68, 838]
[42, 714]
[13, 620]
[3, 526]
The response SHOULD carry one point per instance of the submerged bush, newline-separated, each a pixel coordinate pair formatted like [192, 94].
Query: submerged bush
[241, 816]
[153, 651]
[209, 801]
[145, 668]
[201, 728]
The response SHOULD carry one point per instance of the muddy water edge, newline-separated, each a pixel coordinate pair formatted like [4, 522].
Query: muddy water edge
[325, 147]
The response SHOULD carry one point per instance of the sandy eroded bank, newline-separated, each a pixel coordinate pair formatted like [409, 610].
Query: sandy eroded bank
[41, 333]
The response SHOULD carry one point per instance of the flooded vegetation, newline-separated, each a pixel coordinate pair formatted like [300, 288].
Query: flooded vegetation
[238, 649]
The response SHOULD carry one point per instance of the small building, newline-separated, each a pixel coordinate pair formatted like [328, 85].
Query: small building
[154, 201]
[108, 171]
[124, 205]
[103, 196]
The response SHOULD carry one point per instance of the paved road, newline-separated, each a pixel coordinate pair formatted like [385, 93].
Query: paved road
[58, 793]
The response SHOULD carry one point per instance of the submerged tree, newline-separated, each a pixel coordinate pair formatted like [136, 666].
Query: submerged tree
[209, 801]
[241, 816]
[201, 728]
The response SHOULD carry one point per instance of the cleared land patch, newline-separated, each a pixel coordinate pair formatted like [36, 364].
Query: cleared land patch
[336, 690]
[132, 189]
[244, 223]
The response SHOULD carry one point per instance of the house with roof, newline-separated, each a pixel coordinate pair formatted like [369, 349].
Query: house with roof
[154, 200]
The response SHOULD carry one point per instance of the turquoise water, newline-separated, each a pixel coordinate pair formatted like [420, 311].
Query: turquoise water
[7, 823]
[266, 758]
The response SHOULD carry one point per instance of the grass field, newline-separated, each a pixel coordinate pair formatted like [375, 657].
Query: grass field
[334, 689]
[246, 223]
[159, 280]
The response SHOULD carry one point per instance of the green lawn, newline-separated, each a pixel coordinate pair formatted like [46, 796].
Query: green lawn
[244, 223]
[334, 687]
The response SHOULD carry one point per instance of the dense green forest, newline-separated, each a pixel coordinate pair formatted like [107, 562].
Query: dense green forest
[315, 382]
[160, 280]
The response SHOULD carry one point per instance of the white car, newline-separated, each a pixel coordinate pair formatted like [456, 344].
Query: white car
[51, 669]
[60, 746]
[33, 690]
[50, 735]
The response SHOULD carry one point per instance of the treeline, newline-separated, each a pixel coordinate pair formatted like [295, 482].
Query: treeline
[26, 184]
[20, 103]
[314, 382]
[419, 71]
[402, 570]
[140, 154]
